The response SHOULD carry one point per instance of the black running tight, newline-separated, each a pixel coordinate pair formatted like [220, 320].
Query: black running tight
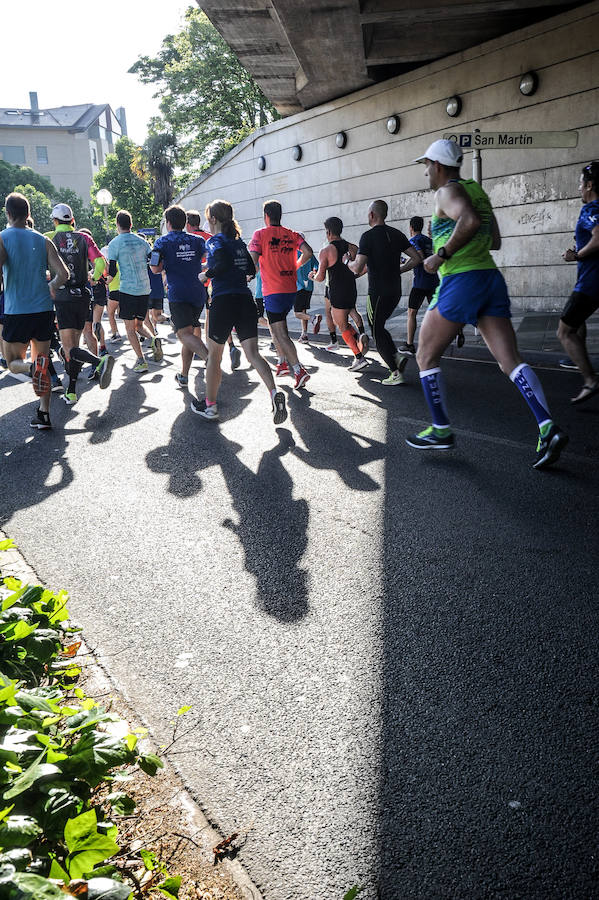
[379, 309]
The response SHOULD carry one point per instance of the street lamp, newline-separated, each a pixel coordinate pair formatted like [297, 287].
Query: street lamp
[104, 199]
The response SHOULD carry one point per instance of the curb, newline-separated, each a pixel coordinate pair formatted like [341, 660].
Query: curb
[15, 564]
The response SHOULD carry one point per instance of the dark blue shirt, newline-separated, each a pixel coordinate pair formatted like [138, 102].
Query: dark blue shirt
[156, 286]
[181, 254]
[588, 269]
[228, 265]
[423, 279]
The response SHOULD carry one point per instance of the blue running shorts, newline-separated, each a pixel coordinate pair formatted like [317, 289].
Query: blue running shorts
[468, 296]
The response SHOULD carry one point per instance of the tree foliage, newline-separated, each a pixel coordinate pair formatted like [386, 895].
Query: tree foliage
[40, 205]
[127, 177]
[209, 101]
[11, 176]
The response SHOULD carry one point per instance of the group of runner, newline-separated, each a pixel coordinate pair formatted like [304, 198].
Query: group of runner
[211, 267]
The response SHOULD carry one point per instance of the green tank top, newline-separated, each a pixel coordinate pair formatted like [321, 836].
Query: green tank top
[475, 254]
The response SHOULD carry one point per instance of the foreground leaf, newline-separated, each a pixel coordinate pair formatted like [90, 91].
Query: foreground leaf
[170, 887]
[107, 889]
[18, 831]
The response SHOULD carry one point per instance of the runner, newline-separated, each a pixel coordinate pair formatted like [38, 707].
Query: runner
[229, 265]
[28, 300]
[423, 286]
[78, 251]
[275, 249]
[472, 290]
[303, 298]
[93, 332]
[179, 253]
[130, 251]
[584, 300]
[354, 314]
[112, 305]
[381, 249]
[193, 226]
[342, 287]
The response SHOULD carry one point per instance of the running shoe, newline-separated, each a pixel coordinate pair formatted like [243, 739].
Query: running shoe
[283, 369]
[358, 364]
[460, 339]
[363, 343]
[303, 338]
[92, 374]
[69, 398]
[115, 338]
[394, 378]
[407, 349]
[41, 420]
[301, 378]
[141, 338]
[157, 349]
[272, 347]
[235, 354]
[104, 370]
[430, 440]
[315, 322]
[40, 376]
[56, 383]
[140, 366]
[3, 363]
[550, 447]
[566, 363]
[334, 345]
[182, 380]
[200, 408]
[279, 409]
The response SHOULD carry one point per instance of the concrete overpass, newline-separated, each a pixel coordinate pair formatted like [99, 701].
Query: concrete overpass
[303, 53]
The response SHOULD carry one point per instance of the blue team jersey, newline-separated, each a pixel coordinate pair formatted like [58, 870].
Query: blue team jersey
[182, 254]
[423, 279]
[156, 286]
[25, 286]
[234, 253]
[587, 281]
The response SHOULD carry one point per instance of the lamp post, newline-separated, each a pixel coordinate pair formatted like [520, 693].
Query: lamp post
[104, 199]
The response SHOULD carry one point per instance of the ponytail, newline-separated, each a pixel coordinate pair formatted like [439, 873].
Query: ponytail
[590, 173]
[223, 213]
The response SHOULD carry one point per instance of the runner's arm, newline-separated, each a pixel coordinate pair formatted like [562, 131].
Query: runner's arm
[454, 203]
[111, 270]
[415, 259]
[589, 249]
[323, 264]
[495, 234]
[57, 267]
[358, 266]
[307, 254]
[3, 256]
[255, 256]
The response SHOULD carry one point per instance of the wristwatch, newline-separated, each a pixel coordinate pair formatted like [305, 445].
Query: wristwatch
[442, 252]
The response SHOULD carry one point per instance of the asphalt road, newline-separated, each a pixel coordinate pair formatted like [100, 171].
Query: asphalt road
[392, 656]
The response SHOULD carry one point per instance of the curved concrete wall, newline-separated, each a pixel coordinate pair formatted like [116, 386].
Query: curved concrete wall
[534, 192]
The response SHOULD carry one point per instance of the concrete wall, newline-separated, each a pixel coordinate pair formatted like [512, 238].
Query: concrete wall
[534, 192]
[69, 156]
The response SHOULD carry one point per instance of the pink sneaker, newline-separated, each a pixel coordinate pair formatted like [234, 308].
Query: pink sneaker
[301, 378]
[283, 369]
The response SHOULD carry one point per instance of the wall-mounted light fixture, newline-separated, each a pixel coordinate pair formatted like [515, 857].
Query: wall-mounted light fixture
[297, 153]
[453, 107]
[341, 139]
[261, 163]
[529, 82]
[393, 124]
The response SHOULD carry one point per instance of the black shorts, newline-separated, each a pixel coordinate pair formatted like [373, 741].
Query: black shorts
[302, 301]
[274, 317]
[133, 306]
[72, 314]
[343, 299]
[259, 306]
[99, 301]
[185, 314]
[156, 303]
[418, 296]
[578, 309]
[20, 329]
[232, 311]
[115, 296]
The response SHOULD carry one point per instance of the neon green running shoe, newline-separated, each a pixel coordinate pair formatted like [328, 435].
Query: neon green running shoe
[429, 439]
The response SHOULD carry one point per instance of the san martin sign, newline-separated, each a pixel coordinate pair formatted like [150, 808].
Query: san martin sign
[511, 140]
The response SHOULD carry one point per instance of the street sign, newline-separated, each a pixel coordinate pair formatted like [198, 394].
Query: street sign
[149, 231]
[513, 140]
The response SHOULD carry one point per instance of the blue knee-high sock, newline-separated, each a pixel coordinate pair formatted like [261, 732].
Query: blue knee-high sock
[530, 387]
[432, 385]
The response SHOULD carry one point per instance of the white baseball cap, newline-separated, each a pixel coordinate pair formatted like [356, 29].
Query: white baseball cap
[445, 152]
[62, 212]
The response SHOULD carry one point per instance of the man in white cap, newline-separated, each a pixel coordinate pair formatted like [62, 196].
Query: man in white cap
[464, 230]
[77, 250]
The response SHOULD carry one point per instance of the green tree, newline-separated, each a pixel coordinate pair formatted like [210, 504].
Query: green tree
[209, 101]
[127, 178]
[41, 208]
[85, 216]
[160, 152]
[11, 175]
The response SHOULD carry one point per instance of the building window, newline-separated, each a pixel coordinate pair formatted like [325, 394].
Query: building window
[94, 157]
[15, 155]
[42, 155]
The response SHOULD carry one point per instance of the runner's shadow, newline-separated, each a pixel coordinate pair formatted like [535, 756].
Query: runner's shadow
[126, 406]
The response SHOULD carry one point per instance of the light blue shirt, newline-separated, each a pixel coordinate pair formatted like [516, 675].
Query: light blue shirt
[25, 286]
[131, 253]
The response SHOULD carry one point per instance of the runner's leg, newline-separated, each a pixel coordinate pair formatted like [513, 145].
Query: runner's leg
[214, 372]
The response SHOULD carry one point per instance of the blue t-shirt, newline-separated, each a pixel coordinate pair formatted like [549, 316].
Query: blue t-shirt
[587, 281]
[156, 286]
[182, 254]
[423, 279]
[303, 282]
[131, 253]
[26, 289]
[232, 280]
